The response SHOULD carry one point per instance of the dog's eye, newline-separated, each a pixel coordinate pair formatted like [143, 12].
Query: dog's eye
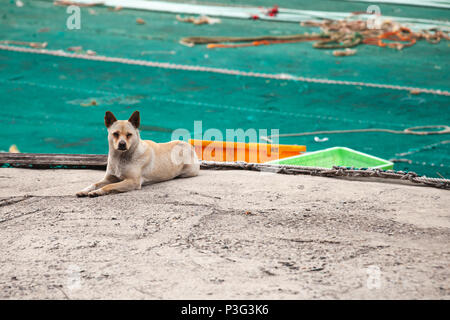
[129, 135]
[116, 135]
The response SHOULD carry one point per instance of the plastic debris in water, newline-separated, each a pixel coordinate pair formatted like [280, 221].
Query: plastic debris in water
[272, 12]
[344, 53]
[14, 149]
[198, 20]
[90, 103]
[38, 45]
[77, 48]
[317, 139]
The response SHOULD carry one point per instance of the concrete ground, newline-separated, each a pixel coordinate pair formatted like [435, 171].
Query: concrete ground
[222, 235]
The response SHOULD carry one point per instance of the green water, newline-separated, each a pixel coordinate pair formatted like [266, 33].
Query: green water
[44, 104]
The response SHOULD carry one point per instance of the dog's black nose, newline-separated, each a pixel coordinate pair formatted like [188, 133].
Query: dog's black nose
[122, 145]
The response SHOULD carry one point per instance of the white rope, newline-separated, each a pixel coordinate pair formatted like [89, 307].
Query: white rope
[412, 131]
[245, 12]
[165, 65]
[419, 3]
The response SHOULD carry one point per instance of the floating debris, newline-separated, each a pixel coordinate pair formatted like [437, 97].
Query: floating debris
[340, 31]
[344, 53]
[317, 139]
[37, 45]
[91, 103]
[75, 3]
[272, 12]
[75, 49]
[140, 21]
[335, 34]
[198, 20]
[13, 149]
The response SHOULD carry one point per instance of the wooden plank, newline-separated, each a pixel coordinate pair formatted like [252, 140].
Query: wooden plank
[48, 161]
[51, 155]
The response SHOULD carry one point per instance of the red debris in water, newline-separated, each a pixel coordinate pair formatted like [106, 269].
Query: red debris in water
[273, 11]
[255, 17]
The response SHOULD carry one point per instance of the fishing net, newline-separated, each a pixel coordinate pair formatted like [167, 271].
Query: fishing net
[53, 104]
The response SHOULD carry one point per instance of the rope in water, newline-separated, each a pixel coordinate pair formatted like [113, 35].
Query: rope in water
[258, 43]
[336, 34]
[350, 33]
[164, 65]
[326, 172]
[207, 40]
[412, 130]
[325, 40]
[191, 41]
[424, 148]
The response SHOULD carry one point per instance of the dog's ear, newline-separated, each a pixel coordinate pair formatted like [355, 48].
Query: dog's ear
[135, 119]
[109, 119]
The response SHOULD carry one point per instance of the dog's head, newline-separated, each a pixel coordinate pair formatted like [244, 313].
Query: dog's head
[123, 135]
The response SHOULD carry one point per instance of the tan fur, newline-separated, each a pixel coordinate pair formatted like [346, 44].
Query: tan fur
[142, 162]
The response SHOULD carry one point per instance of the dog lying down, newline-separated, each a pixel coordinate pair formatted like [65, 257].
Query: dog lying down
[133, 162]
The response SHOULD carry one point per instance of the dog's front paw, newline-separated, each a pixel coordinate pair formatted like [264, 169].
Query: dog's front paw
[96, 193]
[82, 194]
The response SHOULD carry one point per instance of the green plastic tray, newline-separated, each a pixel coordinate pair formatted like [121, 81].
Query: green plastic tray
[337, 156]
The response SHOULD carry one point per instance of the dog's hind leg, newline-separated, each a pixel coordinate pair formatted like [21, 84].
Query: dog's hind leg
[192, 168]
[183, 155]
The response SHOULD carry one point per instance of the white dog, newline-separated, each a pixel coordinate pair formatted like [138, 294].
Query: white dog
[133, 162]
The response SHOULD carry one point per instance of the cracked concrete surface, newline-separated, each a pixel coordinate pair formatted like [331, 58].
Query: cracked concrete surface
[222, 235]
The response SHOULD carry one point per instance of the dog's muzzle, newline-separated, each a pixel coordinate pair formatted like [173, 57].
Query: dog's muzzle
[122, 145]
